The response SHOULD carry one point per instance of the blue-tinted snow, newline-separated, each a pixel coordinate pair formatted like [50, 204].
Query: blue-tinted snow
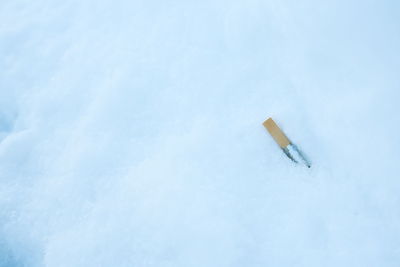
[131, 133]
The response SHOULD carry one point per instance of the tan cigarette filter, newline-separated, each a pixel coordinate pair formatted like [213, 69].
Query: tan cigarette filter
[276, 133]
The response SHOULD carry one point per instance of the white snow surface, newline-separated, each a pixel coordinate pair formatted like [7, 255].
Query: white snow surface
[131, 133]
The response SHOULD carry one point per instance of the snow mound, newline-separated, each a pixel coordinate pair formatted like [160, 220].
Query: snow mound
[131, 133]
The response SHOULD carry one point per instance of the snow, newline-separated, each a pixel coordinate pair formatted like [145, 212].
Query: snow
[131, 133]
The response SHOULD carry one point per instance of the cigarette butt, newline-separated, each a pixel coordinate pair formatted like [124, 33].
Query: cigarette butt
[291, 150]
[276, 133]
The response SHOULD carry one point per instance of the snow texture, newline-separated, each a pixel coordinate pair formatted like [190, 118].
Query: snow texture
[131, 133]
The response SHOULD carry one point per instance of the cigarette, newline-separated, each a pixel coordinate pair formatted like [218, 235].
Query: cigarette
[290, 149]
